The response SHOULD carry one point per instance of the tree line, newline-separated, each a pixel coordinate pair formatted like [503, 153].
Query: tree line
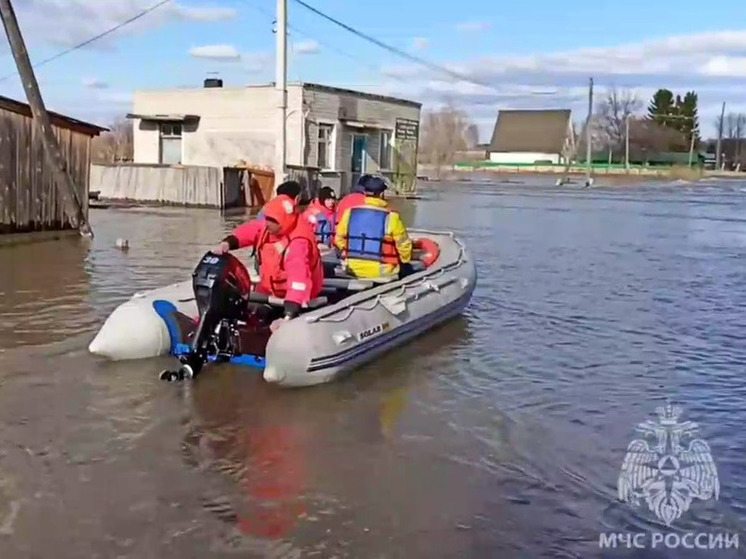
[667, 123]
[116, 145]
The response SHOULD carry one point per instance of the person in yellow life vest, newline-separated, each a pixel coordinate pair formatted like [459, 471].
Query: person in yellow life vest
[372, 238]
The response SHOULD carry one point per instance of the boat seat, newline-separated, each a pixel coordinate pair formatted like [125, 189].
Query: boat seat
[273, 301]
[351, 284]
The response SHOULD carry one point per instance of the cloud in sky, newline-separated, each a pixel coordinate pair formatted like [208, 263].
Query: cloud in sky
[306, 47]
[226, 53]
[713, 64]
[93, 83]
[249, 62]
[64, 23]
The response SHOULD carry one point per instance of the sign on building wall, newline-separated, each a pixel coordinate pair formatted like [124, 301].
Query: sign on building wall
[406, 137]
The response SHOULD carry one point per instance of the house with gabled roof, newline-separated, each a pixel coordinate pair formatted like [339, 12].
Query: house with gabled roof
[532, 137]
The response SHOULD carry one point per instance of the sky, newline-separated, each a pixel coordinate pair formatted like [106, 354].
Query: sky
[496, 55]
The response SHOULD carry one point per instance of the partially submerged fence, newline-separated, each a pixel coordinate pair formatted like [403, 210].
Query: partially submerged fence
[167, 184]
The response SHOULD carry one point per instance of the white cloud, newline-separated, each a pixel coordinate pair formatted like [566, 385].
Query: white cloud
[420, 43]
[250, 62]
[725, 66]
[306, 47]
[64, 23]
[257, 62]
[226, 53]
[206, 14]
[473, 26]
[713, 64]
[93, 83]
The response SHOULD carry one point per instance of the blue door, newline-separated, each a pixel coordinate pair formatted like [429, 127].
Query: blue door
[359, 148]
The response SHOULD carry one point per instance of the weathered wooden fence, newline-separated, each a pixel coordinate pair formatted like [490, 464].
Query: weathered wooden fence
[210, 187]
[29, 200]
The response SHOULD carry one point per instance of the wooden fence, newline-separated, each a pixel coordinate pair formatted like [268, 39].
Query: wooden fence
[29, 200]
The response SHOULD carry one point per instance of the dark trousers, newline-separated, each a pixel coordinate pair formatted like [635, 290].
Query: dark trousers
[406, 270]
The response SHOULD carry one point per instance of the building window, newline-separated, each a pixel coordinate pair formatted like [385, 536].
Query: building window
[324, 146]
[384, 150]
[170, 141]
[171, 129]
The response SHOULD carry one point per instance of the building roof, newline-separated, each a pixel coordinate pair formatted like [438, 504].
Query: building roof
[541, 131]
[56, 119]
[165, 117]
[372, 96]
[304, 85]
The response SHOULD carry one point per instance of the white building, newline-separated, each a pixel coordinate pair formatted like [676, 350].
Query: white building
[532, 137]
[341, 132]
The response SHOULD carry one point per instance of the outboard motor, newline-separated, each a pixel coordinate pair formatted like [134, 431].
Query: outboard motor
[221, 287]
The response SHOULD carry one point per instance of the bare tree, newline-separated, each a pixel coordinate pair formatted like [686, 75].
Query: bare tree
[612, 113]
[734, 125]
[472, 136]
[647, 136]
[444, 133]
[115, 145]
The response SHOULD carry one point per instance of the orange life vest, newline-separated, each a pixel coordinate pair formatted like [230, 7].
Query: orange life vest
[270, 256]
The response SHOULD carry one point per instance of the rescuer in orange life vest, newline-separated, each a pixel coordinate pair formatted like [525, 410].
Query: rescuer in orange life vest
[289, 261]
[372, 238]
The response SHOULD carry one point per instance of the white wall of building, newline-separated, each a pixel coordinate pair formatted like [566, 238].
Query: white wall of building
[239, 124]
[235, 124]
[523, 157]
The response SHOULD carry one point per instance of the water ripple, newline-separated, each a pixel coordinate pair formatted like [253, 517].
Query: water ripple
[500, 434]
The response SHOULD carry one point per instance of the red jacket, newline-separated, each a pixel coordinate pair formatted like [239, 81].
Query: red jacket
[349, 201]
[289, 264]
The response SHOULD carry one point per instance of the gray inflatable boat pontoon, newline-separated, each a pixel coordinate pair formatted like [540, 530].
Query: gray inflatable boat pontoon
[316, 347]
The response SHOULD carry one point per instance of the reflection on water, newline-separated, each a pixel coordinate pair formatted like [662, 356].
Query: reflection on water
[500, 434]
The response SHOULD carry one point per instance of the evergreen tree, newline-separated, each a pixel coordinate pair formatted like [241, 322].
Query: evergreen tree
[678, 123]
[688, 109]
[662, 107]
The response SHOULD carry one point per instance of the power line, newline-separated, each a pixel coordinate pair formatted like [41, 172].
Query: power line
[394, 50]
[309, 36]
[95, 38]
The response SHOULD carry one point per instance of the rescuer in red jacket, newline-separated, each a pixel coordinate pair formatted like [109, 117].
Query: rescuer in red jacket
[289, 261]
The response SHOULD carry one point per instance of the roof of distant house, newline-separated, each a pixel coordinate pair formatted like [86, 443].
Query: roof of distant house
[541, 131]
[56, 119]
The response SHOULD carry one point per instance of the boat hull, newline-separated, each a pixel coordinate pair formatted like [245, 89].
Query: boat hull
[320, 345]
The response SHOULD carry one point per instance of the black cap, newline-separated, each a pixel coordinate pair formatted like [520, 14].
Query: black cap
[326, 193]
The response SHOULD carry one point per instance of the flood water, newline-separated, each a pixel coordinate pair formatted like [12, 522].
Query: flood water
[499, 435]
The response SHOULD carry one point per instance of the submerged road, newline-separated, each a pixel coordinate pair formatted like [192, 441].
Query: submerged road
[500, 435]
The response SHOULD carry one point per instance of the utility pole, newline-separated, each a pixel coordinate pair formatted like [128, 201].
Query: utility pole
[720, 138]
[691, 146]
[281, 70]
[588, 154]
[63, 180]
[626, 142]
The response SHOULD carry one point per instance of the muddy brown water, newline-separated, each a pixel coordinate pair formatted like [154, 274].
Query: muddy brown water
[500, 434]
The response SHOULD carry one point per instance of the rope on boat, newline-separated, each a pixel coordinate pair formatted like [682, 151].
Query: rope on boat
[402, 288]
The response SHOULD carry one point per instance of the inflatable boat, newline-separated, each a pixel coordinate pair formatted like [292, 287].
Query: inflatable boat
[204, 319]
